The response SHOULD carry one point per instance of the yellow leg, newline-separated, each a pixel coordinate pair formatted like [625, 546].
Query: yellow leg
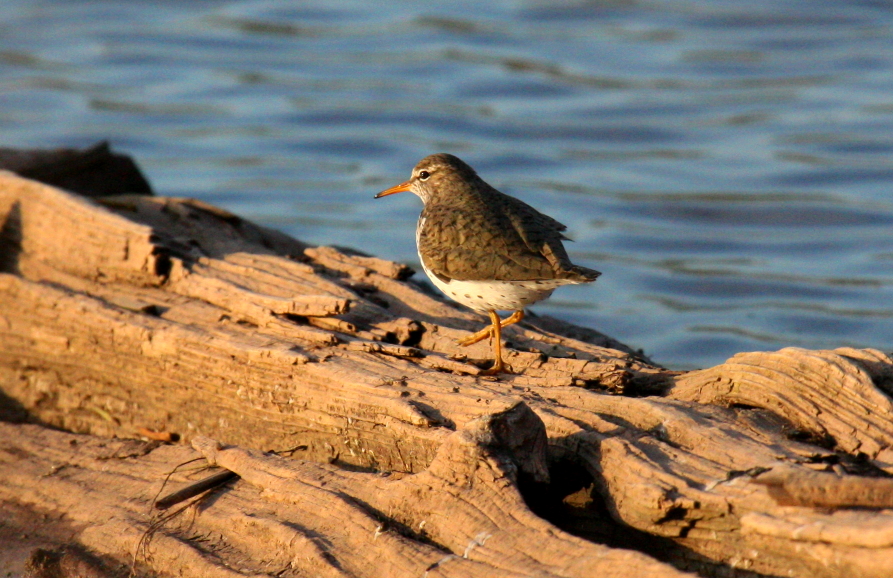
[498, 367]
[488, 331]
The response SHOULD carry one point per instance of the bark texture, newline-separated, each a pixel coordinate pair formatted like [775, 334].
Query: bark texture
[135, 316]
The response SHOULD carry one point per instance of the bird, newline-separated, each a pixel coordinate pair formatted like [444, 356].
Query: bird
[485, 249]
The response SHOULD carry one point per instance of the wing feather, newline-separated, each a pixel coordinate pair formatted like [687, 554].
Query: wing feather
[475, 243]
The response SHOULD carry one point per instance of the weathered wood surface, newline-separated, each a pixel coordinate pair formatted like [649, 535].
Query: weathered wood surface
[139, 312]
[462, 516]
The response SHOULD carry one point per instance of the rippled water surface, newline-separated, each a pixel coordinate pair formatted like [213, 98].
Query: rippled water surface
[726, 164]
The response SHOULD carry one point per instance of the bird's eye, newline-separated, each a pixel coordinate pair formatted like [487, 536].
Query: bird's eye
[423, 175]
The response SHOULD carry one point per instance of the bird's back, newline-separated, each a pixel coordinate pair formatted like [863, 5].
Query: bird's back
[486, 234]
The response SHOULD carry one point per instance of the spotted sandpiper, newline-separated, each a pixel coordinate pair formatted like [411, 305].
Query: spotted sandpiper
[485, 249]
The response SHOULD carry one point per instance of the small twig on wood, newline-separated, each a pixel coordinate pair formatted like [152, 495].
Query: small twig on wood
[195, 489]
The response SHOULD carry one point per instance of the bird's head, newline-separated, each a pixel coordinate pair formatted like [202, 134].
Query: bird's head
[435, 176]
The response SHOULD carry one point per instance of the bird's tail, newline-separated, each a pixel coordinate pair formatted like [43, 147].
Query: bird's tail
[579, 274]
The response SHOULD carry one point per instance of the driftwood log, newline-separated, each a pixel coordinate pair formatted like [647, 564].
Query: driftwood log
[131, 317]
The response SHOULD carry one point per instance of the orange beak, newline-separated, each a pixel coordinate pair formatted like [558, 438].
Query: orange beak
[401, 188]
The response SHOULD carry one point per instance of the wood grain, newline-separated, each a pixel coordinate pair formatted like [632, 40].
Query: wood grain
[171, 315]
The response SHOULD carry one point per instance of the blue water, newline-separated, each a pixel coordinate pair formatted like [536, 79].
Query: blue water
[725, 164]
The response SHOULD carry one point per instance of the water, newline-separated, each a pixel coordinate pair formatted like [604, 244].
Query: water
[727, 165]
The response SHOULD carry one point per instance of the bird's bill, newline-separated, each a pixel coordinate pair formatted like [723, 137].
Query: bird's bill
[401, 188]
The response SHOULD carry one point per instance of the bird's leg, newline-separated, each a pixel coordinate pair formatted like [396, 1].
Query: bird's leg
[498, 367]
[488, 331]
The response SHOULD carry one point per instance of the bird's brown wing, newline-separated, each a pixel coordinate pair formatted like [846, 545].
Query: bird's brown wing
[473, 244]
[540, 233]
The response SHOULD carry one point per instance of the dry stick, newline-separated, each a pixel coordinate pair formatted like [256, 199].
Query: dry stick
[171, 473]
[202, 485]
[195, 489]
[172, 499]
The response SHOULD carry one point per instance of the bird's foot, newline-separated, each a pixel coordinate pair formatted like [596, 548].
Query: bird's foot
[496, 370]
